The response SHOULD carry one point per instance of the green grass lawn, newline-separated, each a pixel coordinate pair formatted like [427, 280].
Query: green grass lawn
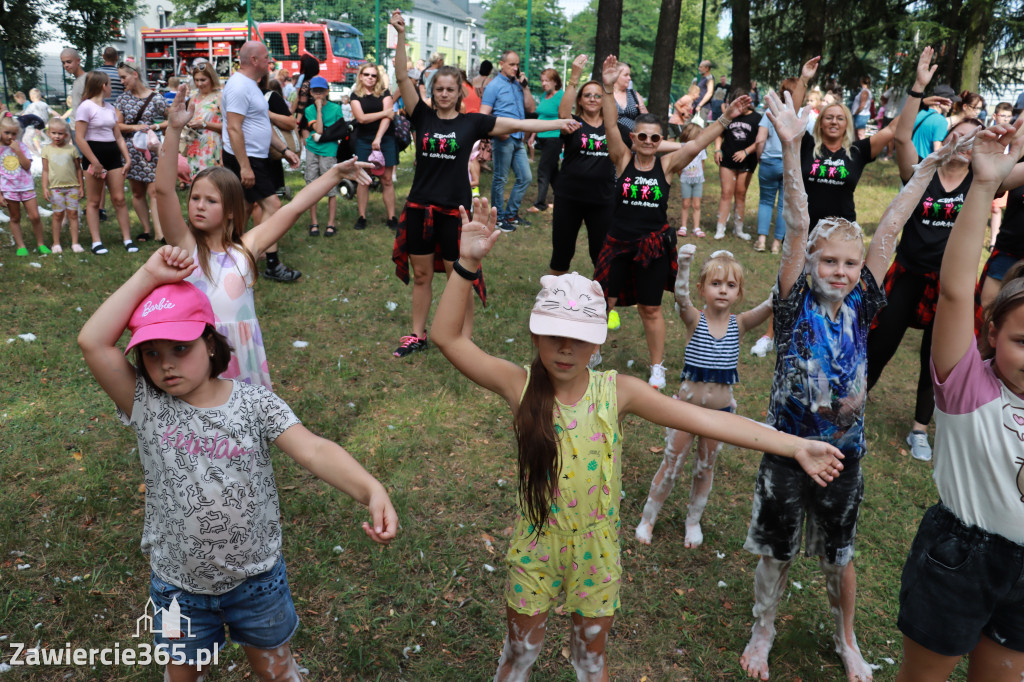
[428, 607]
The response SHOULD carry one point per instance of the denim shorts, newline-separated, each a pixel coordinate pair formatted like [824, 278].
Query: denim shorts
[959, 582]
[785, 496]
[259, 613]
[998, 265]
[860, 122]
[691, 190]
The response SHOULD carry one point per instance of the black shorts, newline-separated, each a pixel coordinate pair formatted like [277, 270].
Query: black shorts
[785, 495]
[650, 281]
[447, 230]
[107, 153]
[959, 582]
[265, 184]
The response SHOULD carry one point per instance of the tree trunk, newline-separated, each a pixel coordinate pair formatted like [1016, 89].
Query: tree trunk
[814, 29]
[740, 77]
[606, 42]
[664, 59]
[978, 15]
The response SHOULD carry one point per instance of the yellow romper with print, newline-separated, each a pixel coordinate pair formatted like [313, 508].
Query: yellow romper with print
[578, 552]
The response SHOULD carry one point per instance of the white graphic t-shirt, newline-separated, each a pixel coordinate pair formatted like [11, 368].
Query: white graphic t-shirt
[212, 515]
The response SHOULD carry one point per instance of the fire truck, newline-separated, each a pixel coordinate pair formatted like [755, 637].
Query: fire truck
[334, 44]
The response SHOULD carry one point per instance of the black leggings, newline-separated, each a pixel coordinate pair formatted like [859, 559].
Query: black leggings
[893, 321]
[547, 168]
[566, 218]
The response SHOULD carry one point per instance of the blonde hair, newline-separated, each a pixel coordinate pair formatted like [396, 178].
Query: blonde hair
[56, 122]
[7, 120]
[210, 72]
[232, 198]
[848, 137]
[835, 228]
[378, 89]
[720, 261]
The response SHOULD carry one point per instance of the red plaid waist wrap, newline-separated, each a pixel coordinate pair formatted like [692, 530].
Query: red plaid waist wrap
[644, 251]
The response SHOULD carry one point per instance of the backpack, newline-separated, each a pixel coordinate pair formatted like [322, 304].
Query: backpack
[291, 140]
[402, 127]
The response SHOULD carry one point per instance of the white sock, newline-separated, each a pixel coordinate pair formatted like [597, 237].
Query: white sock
[95, 244]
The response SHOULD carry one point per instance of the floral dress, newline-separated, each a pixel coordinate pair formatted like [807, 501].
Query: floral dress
[205, 147]
[142, 169]
[228, 285]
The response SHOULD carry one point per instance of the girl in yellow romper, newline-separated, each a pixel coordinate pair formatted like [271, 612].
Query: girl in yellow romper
[566, 421]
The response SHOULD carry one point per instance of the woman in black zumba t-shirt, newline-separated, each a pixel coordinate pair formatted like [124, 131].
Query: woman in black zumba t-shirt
[638, 260]
[736, 156]
[429, 227]
[912, 283]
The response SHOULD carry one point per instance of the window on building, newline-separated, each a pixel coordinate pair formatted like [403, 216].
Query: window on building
[411, 27]
[429, 26]
[444, 34]
[461, 38]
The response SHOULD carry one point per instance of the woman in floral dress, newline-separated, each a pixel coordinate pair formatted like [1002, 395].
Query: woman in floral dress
[138, 109]
[205, 146]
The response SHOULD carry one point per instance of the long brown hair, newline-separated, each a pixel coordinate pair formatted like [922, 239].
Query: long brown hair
[233, 201]
[94, 82]
[219, 359]
[534, 426]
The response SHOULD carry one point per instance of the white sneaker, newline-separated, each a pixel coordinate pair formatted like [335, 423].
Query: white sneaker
[4, 218]
[919, 447]
[762, 346]
[595, 359]
[44, 212]
[720, 231]
[657, 379]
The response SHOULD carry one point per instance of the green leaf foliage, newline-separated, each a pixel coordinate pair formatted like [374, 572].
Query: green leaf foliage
[636, 43]
[91, 24]
[506, 30]
[18, 39]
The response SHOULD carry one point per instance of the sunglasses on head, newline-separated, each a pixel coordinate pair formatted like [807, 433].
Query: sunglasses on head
[131, 67]
[655, 138]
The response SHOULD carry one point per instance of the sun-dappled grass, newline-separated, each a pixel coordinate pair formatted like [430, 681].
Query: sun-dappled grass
[428, 607]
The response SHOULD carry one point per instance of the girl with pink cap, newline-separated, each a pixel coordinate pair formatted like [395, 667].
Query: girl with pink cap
[212, 528]
[566, 420]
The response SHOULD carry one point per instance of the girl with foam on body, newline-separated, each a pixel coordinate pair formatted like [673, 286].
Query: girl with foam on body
[712, 355]
[962, 590]
[212, 528]
[567, 424]
[826, 297]
[213, 237]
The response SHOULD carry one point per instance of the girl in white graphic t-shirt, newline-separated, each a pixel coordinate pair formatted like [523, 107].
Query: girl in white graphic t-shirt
[212, 528]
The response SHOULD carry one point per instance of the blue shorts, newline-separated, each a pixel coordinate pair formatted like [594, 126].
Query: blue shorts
[959, 582]
[259, 613]
[860, 122]
[998, 264]
[691, 190]
[364, 145]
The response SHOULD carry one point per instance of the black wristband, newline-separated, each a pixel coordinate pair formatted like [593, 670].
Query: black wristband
[914, 93]
[464, 273]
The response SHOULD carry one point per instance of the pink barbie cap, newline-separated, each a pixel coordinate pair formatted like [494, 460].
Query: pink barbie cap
[175, 312]
[571, 306]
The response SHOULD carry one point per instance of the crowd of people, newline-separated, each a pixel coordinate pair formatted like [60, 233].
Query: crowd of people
[839, 311]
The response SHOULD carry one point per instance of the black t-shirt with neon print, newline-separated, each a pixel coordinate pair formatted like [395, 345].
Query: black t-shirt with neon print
[1011, 234]
[443, 147]
[830, 179]
[927, 230]
[641, 201]
[587, 173]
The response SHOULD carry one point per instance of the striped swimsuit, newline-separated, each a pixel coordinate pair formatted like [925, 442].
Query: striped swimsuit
[712, 360]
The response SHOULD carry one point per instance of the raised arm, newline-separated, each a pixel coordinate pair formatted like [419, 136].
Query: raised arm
[680, 159]
[820, 460]
[754, 317]
[504, 126]
[883, 243]
[954, 315]
[807, 74]
[565, 107]
[617, 149]
[906, 154]
[497, 375]
[267, 233]
[684, 306]
[790, 128]
[98, 338]
[883, 137]
[167, 205]
[405, 85]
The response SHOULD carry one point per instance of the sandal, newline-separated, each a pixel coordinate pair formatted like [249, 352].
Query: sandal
[697, 232]
[100, 250]
[314, 230]
[681, 231]
[130, 247]
[329, 231]
[143, 237]
[77, 248]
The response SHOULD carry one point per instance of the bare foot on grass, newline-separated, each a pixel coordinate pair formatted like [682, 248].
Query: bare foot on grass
[694, 536]
[755, 657]
[857, 669]
[644, 531]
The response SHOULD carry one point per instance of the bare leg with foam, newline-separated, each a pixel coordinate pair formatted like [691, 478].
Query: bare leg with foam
[703, 478]
[677, 444]
[523, 643]
[273, 665]
[841, 582]
[769, 584]
[589, 639]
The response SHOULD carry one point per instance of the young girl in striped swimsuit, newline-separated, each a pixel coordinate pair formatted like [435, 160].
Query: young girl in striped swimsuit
[707, 378]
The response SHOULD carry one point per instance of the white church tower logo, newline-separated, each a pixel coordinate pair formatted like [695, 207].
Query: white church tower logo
[170, 621]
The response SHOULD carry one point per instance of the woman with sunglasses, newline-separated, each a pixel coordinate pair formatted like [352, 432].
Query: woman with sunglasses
[638, 261]
[138, 110]
[373, 110]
